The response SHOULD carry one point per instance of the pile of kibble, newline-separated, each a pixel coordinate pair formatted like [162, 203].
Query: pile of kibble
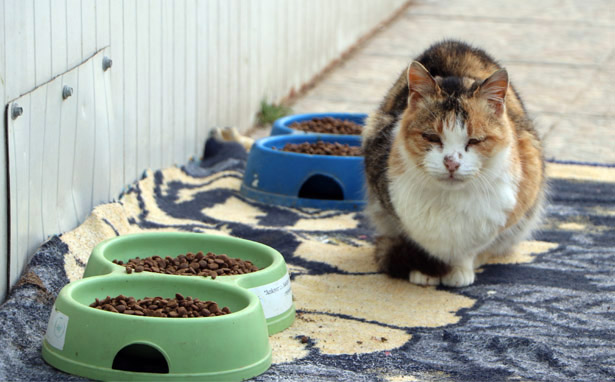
[190, 264]
[323, 148]
[328, 125]
[178, 307]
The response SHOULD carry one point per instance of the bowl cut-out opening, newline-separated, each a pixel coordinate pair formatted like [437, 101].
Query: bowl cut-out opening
[321, 187]
[140, 358]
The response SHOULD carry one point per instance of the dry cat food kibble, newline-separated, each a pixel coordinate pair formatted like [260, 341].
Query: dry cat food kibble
[190, 264]
[328, 125]
[323, 148]
[178, 307]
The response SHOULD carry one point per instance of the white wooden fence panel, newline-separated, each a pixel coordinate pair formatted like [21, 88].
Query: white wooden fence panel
[179, 68]
[4, 187]
[83, 124]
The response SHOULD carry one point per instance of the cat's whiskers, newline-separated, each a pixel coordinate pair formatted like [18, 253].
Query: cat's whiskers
[484, 181]
[417, 177]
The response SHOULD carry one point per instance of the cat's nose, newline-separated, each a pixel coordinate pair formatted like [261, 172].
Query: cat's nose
[451, 163]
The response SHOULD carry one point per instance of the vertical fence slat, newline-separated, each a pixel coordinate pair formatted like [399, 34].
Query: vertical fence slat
[116, 53]
[51, 153]
[59, 58]
[4, 195]
[19, 134]
[232, 84]
[88, 28]
[243, 83]
[178, 88]
[20, 65]
[268, 58]
[202, 75]
[130, 92]
[155, 83]
[101, 192]
[222, 45]
[37, 111]
[190, 77]
[73, 33]
[212, 64]
[166, 149]
[102, 24]
[83, 160]
[114, 134]
[143, 81]
[42, 41]
[255, 69]
[68, 127]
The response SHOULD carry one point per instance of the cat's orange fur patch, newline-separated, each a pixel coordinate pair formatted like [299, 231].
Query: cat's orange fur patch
[530, 161]
[481, 124]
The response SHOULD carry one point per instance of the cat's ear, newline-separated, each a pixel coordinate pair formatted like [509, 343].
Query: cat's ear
[494, 89]
[420, 82]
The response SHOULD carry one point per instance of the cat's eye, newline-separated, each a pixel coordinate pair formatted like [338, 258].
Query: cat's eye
[472, 142]
[433, 138]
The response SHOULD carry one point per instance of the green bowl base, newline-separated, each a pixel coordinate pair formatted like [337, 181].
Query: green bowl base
[107, 374]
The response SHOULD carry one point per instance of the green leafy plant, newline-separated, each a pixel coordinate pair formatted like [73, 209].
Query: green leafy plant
[270, 112]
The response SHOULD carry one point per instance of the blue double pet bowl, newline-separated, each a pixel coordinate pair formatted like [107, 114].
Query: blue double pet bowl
[283, 178]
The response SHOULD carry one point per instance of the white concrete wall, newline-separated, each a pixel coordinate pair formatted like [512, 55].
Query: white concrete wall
[179, 68]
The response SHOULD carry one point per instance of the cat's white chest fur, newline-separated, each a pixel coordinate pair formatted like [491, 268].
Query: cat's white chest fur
[453, 224]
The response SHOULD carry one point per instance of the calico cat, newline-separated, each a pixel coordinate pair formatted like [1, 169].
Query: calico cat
[454, 167]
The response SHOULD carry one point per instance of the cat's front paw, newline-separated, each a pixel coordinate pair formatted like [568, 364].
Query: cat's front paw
[459, 277]
[419, 278]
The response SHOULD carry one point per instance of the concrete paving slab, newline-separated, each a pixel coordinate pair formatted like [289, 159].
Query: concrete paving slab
[582, 138]
[549, 88]
[314, 105]
[560, 54]
[503, 39]
[591, 12]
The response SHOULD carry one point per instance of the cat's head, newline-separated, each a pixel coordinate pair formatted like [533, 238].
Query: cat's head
[455, 129]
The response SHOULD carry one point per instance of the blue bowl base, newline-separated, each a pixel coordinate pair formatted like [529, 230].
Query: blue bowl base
[292, 201]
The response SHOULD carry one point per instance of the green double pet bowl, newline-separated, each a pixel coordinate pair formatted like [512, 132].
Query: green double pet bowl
[104, 345]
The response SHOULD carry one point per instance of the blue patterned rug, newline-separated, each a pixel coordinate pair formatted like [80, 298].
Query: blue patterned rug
[545, 313]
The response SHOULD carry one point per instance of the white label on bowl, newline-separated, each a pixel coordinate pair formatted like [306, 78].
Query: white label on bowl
[276, 297]
[56, 328]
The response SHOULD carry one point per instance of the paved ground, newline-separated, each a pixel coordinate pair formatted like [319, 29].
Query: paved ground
[560, 55]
